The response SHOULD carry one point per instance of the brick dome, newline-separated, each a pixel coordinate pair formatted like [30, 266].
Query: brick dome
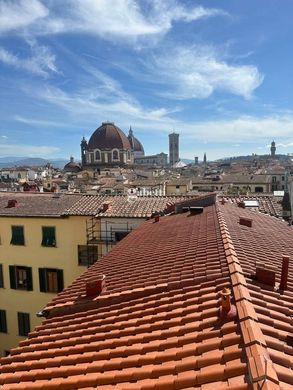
[108, 136]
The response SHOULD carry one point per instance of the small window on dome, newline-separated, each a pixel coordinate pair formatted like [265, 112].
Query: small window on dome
[115, 155]
[97, 155]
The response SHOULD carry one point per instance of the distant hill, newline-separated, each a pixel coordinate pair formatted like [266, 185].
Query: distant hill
[6, 162]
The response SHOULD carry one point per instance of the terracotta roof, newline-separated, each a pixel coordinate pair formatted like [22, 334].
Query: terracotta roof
[122, 205]
[157, 324]
[36, 204]
[267, 204]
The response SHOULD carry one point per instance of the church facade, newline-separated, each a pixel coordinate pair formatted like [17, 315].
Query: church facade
[109, 146]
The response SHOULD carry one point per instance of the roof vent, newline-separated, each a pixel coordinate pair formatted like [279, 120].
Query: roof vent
[11, 203]
[285, 270]
[195, 210]
[265, 276]
[245, 221]
[95, 286]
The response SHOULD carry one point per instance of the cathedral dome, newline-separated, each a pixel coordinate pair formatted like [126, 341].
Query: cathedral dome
[72, 166]
[108, 136]
[137, 145]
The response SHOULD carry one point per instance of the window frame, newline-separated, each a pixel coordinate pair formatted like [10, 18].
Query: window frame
[45, 239]
[3, 321]
[44, 280]
[115, 151]
[16, 283]
[1, 276]
[85, 254]
[17, 238]
[24, 326]
[100, 155]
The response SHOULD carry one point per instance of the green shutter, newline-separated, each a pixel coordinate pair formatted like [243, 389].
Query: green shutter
[17, 235]
[42, 279]
[23, 323]
[1, 276]
[60, 280]
[29, 278]
[48, 238]
[12, 276]
[3, 322]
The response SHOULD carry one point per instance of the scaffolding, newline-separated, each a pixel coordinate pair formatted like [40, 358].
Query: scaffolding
[101, 236]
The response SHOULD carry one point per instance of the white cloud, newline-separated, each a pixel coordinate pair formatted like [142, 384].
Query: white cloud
[27, 150]
[108, 19]
[18, 14]
[41, 62]
[197, 72]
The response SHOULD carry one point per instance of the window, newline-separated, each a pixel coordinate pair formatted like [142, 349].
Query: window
[23, 324]
[115, 155]
[97, 155]
[51, 280]
[1, 276]
[3, 323]
[49, 238]
[20, 277]
[274, 179]
[120, 235]
[87, 254]
[17, 237]
[128, 155]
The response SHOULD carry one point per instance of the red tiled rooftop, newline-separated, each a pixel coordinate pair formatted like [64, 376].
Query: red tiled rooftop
[157, 325]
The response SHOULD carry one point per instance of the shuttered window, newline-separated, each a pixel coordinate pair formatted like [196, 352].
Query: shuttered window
[51, 280]
[49, 237]
[17, 237]
[3, 323]
[1, 276]
[23, 324]
[20, 277]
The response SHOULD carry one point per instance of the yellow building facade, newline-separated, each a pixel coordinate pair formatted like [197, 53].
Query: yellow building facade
[39, 256]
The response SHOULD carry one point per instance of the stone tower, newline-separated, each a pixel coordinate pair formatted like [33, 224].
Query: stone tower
[173, 148]
[273, 149]
[83, 146]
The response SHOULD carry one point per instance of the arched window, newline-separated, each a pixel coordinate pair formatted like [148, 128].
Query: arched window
[97, 155]
[128, 155]
[115, 155]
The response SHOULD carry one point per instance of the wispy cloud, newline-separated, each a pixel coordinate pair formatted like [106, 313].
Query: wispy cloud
[197, 72]
[18, 14]
[38, 122]
[118, 19]
[41, 62]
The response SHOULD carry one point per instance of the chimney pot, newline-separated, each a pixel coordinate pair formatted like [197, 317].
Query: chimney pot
[106, 206]
[95, 286]
[225, 299]
[285, 270]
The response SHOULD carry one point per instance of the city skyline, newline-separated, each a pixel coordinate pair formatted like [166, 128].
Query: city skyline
[217, 73]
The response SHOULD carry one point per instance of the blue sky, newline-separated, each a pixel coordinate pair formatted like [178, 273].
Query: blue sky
[220, 73]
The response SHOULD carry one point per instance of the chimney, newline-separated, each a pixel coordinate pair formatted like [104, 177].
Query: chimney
[245, 221]
[225, 300]
[223, 201]
[284, 275]
[105, 206]
[95, 286]
[11, 203]
[265, 276]
[157, 218]
[228, 311]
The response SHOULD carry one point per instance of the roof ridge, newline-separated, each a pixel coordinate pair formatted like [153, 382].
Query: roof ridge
[260, 366]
